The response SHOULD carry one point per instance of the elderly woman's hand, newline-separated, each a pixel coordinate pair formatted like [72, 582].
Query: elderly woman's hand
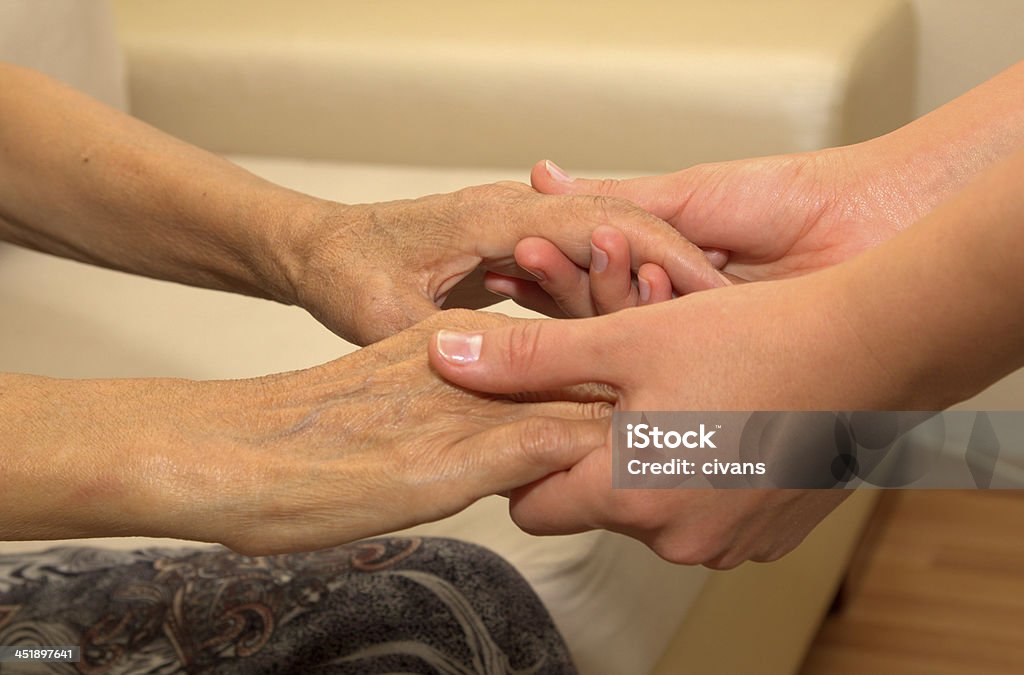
[367, 444]
[106, 189]
[368, 271]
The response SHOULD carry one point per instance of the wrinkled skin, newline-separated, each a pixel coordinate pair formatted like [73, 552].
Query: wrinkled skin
[367, 444]
[368, 271]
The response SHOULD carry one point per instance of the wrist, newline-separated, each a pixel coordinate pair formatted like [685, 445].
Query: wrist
[935, 156]
[318, 259]
[895, 335]
[286, 230]
[103, 458]
[80, 463]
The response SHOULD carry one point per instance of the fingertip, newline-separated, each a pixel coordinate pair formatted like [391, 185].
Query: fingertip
[611, 277]
[537, 256]
[459, 348]
[598, 259]
[557, 275]
[524, 293]
[657, 282]
[716, 256]
[608, 237]
[500, 285]
[644, 288]
[549, 178]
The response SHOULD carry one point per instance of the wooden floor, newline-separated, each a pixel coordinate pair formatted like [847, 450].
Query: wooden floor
[939, 588]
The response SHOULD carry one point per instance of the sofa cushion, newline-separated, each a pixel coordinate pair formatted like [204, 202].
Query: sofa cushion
[644, 85]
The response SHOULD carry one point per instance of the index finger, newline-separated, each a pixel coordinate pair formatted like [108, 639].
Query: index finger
[569, 222]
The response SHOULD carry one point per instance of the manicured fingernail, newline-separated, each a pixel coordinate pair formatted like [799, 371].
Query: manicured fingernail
[598, 259]
[536, 273]
[459, 347]
[645, 289]
[557, 172]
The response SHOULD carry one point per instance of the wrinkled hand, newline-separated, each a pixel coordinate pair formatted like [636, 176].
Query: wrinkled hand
[369, 271]
[769, 346]
[370, 443]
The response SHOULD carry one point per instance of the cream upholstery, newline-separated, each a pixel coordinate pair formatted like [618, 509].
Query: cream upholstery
[643, 85]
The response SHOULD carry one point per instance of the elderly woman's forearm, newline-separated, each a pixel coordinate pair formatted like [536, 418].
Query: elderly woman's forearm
[84, 181]
[91, 458]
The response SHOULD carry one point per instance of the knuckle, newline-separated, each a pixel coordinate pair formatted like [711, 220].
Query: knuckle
[773, 554]
[684, 552]
[464, 319]
[539, 437]
[512, 187]
[692, 548]
[455, 318]
[595, 410]
[607, 186]
[524, 341]
[607, 210]
[528, 522]
[637, 513]
[502, 192]
[725, 561]
[609, 207]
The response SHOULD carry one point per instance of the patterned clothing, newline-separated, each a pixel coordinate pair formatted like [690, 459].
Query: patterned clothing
[389, 605]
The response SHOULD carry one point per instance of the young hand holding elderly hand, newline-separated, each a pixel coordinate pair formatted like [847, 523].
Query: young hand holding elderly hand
[895, 328]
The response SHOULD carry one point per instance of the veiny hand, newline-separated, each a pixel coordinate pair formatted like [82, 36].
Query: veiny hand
[377, 441]
[367, 444]
[368, 271]
[768, 346]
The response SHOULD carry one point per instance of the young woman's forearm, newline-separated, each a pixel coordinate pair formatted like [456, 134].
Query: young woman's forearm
[941, 306]
[84, 181]
[938, 154]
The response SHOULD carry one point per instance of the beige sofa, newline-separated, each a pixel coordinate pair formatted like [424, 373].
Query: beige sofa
[372, 101]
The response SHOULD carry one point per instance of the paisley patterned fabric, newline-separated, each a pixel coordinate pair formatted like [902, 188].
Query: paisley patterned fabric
[390, 605]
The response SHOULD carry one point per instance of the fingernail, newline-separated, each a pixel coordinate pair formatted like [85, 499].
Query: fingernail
[645, 289]
[556, 172]
[459, 347]
[716, 256]
[598, 259]
[536, 273]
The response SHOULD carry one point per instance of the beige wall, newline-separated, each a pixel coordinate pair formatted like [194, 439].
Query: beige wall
[961, 43]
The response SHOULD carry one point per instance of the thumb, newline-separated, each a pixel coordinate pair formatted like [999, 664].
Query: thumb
[534, 355]
[659, 195]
